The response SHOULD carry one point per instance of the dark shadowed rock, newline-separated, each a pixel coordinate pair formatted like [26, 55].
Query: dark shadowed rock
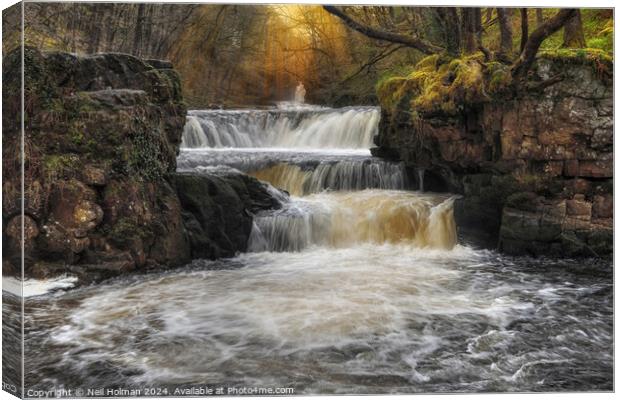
[218, 210]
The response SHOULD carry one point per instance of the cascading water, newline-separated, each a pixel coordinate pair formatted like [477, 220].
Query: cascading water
[300, 94]
[421, 179]
[346, 219]
[354, 286]
[302, 127]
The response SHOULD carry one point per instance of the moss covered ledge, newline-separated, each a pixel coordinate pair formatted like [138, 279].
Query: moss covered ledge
[442, 85]
[471, 129]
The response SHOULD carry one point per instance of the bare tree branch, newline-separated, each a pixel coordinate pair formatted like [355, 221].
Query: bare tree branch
[409, 41]
[385, 53]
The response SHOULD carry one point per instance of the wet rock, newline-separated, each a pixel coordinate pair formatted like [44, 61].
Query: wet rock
[12, 246]
[602, 138]
[217, 211]
[579, 208]
[596, 169]
[14, 228]
[94, 176]
[87, 215]
[571, 168]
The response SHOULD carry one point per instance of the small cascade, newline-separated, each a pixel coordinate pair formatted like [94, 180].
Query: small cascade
[300, 94]
[193, 135]
[345, 219]
[421, 179]
[302, 173]
[342, 175]
[298, 127]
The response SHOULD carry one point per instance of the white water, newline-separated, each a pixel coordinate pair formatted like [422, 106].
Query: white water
[367, 318]
[36, 287]
[303, 128]
[300, 94]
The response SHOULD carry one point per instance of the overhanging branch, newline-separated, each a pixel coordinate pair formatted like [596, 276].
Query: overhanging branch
[409, 41]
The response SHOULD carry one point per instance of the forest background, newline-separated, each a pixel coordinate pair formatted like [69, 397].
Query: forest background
[232, 55]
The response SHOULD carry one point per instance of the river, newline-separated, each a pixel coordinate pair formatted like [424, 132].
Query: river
[357, 285]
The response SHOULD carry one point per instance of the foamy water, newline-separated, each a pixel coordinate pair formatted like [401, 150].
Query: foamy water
[36, 287]
[362, 319]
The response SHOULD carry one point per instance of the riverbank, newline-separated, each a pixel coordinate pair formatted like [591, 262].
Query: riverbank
[535, 167]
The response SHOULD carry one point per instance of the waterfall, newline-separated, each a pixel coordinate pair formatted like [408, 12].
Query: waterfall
[193, 135]
[300, 93]
[308, 127]
[345, 219]
[342, 175]
[421, 179]
[341, 195]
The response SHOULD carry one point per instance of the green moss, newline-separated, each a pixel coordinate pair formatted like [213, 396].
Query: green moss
[598, 29]
[500, 77]
[390, 91]
[146, 157]
[84, 103]
[57, 166]
[580, 56]
[439, 84]
[600, 60]
[76, 135]
[126, 230]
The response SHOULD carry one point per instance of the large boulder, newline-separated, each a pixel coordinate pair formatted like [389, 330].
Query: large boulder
[218, 210]
[101, 137]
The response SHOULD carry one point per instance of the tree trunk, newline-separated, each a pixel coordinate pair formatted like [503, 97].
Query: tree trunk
[539, 17]
[449, 20]
[96, 27]
[489, 15]
[469, 42]
[478, 25]
[137, 40]
[505, 27]
[573, 32]
[528, 55]
[524, 28]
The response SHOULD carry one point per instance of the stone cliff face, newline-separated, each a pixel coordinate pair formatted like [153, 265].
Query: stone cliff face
[535, 168]
[101, 138]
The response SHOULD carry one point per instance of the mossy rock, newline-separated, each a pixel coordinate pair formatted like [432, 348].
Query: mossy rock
[600, 60]
[440, 85]
[126, 230]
